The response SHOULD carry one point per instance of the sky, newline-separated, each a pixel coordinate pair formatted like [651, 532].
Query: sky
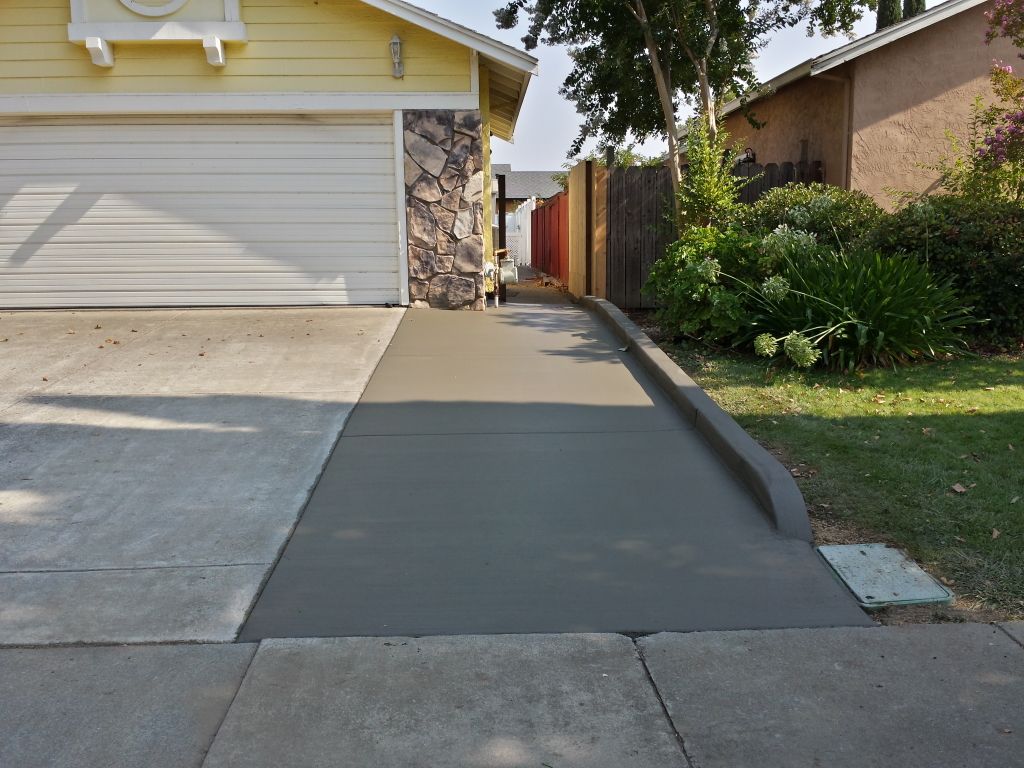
[548, 123]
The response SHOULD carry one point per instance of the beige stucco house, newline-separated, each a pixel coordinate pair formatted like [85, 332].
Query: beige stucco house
[244, 152]
[878, 109]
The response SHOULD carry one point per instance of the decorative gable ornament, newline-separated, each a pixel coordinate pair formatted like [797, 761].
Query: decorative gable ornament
[155, 8]
[99, 24]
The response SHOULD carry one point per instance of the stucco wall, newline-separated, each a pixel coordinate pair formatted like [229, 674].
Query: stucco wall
[808, 109]
[906, 95]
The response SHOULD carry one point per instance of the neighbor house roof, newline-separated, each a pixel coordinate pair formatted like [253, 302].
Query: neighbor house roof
[510, 69]
[521, 185]
[857, 48]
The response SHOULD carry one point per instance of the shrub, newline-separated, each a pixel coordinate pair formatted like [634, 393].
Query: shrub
[687, 285]
[855, 309]
[709, 193]
[836, 217]
[977, 244]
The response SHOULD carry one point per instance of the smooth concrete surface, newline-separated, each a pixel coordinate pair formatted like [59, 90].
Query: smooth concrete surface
[513, 472]
[917, 696]
[472, 702]
[157, 707]
[147, 486]
[769, 481]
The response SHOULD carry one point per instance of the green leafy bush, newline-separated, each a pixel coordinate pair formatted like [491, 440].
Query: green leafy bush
[851, 310]
[687, 285]
[836, 217]
[709, 193]
[977, 244]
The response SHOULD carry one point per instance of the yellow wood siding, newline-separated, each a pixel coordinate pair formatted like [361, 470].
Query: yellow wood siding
[295, 46]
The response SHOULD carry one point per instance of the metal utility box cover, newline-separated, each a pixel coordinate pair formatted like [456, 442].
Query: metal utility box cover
[879, 576]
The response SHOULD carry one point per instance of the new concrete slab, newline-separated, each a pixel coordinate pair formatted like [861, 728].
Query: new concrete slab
[493, 702]
[148, 605]
[157, 707]
[915, 696]
[484, 505]
[540, 393]
[193, 442]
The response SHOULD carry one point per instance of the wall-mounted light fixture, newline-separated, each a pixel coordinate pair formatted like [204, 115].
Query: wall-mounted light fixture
[748, 156]
[398, 69]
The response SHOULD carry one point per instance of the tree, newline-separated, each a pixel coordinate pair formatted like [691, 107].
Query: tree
[636, 61]
[889, 13]
[1006, 19]
[912, 8]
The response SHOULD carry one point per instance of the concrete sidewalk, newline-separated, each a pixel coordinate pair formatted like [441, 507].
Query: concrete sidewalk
[515, 472]
[914, 697]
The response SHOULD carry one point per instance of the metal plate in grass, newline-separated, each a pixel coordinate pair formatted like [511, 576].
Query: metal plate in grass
[880, 576]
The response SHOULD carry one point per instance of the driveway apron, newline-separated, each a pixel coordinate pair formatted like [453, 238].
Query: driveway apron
[515, 472]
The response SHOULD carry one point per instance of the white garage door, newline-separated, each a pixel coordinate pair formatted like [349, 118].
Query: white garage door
[222, 212]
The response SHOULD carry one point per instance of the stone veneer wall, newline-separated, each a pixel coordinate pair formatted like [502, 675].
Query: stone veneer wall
[444, 184]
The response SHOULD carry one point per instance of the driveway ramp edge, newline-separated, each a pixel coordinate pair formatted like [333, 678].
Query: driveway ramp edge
[762, 473]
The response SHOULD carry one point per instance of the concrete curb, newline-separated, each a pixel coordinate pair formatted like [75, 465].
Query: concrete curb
[769, 481]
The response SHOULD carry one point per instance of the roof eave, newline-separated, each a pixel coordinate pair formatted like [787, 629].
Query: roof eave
[891, 34]
[506, 54]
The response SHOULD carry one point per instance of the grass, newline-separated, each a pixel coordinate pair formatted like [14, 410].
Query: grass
[883, 451]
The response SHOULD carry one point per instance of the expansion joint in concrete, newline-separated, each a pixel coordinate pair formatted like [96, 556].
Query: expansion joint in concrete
[127, 569]
[689, 760]
[1010, 635]
[234, 696]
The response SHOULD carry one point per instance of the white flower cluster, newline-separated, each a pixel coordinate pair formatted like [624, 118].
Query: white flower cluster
[785, 241]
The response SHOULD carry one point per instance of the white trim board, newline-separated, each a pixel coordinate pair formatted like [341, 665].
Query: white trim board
[891, 34]
[496, 50]
[401, 209]
[229, 103]
[232, 11]
[144, 31]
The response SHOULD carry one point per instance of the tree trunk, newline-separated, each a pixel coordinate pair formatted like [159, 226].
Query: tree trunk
[663, 82]
[707, 99]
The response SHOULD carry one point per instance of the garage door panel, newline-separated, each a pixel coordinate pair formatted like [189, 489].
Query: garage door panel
[103, 184]
[285, 265]
[73, 169]
[255, 234]
[149, 202]
[190, 151]
[106, 217]
[245, 214]
[200, 298]
[128, 255]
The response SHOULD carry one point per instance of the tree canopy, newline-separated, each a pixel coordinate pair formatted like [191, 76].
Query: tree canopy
[636, 62]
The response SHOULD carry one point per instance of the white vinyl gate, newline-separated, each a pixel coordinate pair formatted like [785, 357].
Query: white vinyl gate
[162, 212]
[519, 232]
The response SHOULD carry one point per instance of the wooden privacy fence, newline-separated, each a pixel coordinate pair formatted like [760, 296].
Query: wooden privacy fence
[602, 236]
[765, 177]
[640, 228]
[549, 237]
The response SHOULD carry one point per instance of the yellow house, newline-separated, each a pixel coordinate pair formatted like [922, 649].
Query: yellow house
[247, 152]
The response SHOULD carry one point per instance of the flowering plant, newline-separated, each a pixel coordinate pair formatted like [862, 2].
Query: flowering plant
[1006, 19]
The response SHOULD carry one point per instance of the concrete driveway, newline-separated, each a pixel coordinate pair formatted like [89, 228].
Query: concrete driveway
[153, 463]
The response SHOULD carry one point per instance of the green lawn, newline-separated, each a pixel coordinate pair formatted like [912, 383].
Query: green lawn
[883, 450]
